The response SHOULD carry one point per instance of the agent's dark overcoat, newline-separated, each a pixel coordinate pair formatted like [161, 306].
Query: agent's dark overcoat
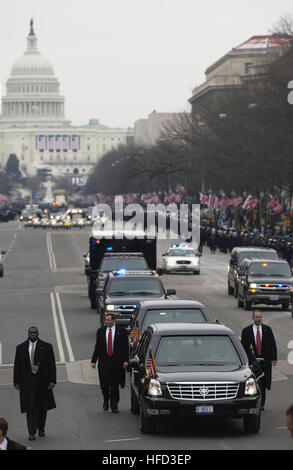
[45, 359]
[269, 349]
[111, 370]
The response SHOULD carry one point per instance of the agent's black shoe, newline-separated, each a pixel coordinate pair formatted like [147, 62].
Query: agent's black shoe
[105, 406]
[41, 433]
[31, 437]
[115, 410]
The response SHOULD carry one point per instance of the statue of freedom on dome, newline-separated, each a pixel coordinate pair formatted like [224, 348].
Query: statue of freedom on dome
[32, 28]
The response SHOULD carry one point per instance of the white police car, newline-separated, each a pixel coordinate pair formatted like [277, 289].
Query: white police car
[181, 257]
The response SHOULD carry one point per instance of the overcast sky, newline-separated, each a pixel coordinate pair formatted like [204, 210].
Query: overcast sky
[118, 60]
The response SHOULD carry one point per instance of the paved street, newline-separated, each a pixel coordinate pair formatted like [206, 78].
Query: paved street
[44, 285]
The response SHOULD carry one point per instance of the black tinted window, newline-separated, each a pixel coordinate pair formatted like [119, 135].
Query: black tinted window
[173, 316]
[269, 269]
[198, 350]
[114, 264]
[144, 286]
[256, 254]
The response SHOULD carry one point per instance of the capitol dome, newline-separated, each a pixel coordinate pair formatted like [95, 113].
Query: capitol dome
[32, 64]
[32, 91]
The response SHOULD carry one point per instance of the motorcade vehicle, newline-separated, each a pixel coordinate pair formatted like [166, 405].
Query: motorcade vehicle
[67, 223]
[119, 261]
[86, 259]
[238, 254]
[102, 242]
[264, 281]
[123, 290]
[192, 370]
[164, 311]
[2, 252]
[181, 257]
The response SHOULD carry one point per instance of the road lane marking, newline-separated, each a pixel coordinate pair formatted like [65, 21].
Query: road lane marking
[65, 331]
[52, 261]
[10, 246]
[57, 330]
[121, 440]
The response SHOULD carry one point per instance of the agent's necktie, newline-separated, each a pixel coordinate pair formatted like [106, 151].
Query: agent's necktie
[258, 342]
[34, 368]
[110, 347]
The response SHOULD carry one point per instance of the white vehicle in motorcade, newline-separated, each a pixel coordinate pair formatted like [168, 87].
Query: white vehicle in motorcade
[181, 257]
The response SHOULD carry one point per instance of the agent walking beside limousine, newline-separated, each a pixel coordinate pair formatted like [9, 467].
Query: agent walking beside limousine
[261, 338]
[112, 352]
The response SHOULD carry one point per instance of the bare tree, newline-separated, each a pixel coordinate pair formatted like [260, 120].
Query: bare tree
[284, 25]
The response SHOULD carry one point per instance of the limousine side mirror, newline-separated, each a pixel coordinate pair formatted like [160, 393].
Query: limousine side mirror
[3, 252]
[99, 292]
[135, 364]
[159, 271]
[171, 292]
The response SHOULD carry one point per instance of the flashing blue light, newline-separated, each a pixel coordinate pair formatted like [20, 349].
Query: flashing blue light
[280, 285]
[109, 248]
[121, 272]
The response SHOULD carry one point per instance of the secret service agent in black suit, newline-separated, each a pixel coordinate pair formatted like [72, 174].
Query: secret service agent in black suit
[268, 350]
[113, 359]
[5, 442]
[35, 378]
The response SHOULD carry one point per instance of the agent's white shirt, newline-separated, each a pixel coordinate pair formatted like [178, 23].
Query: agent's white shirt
[255, 331]
[31, 345]
[3, 446]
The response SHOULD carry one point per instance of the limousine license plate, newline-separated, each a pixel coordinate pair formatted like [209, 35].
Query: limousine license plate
[204, 409]
[274, 297]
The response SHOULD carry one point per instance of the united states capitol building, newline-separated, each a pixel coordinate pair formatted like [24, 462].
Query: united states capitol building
[33, 125]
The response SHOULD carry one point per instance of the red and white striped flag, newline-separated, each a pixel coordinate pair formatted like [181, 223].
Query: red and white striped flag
[250, 202]
[273, 202]
[278, 207]
[151, 366]
[204, 198]
[236, 201]
[213, 201]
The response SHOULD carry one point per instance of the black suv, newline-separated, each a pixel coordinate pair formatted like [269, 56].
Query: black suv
[263, 281]
[200, 370]
[238, 255]
[164, 311]
[123, 290]
[113, 262]
[119, 261]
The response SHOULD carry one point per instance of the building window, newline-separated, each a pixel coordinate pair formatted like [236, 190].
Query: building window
[247, 66]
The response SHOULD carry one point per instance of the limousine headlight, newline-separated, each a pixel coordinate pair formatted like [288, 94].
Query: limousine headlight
[110, 307]
[154, 388]
[250, 387]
